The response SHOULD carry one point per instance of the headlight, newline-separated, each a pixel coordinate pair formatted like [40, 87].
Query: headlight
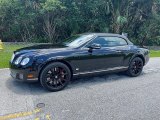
[12, 58]
[25, 61]
[18, 60]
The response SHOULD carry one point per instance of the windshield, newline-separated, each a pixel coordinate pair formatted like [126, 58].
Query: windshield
[78, 40]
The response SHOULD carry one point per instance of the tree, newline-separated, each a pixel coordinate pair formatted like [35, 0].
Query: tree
[54, 20]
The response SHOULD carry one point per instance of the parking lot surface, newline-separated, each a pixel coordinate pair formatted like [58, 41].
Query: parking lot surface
[109, 97]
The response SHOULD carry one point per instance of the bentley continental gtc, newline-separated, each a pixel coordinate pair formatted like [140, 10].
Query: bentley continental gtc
[54, 66]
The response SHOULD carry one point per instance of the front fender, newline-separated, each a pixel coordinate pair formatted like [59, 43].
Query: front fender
[54, 59]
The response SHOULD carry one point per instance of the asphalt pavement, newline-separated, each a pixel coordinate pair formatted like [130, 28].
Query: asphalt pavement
[109, 97]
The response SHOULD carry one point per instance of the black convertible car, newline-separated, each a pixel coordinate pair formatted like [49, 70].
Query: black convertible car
[86, 54]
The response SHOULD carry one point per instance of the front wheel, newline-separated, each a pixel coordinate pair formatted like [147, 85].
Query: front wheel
[135, 67]
[55, 76]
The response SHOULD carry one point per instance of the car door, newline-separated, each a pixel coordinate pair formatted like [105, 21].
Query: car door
[119, 45]
[107, 57]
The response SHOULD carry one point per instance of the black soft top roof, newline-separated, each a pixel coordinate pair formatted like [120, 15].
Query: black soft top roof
[109, 34]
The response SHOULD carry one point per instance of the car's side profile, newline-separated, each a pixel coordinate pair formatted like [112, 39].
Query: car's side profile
[55, 65]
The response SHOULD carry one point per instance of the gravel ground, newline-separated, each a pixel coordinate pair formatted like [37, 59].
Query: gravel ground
[110, 97]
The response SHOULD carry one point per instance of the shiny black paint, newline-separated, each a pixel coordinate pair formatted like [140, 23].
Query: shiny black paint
[80, 59]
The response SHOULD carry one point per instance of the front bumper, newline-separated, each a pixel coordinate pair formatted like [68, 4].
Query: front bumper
[24, 75]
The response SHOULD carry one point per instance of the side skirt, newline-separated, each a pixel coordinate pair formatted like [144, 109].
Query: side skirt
[115, 69]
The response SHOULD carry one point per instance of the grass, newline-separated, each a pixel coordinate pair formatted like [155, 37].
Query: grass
[6, 53]
[154, 53]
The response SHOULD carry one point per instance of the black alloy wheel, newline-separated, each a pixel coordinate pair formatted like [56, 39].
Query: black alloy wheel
[135, 67]
[55, 76]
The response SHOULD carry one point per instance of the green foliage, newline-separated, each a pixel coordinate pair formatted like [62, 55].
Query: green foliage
[51, 5]
[55, 20]
[121, 20]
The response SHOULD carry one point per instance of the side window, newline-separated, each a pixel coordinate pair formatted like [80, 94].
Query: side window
[99, 40]
[115, 41]
[108, 41]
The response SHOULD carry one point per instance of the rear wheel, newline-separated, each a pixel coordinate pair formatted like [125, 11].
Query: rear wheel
[55, 76]
[135, 67]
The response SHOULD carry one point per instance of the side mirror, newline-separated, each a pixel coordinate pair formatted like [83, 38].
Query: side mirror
[95, 46]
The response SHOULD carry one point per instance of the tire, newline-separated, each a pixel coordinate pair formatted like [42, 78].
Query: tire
[135, 67]
[55, 76]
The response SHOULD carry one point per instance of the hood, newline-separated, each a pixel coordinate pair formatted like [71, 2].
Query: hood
[42, 49]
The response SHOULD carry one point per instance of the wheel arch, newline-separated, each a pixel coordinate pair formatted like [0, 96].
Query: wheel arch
[140, 56]
[52, 61]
